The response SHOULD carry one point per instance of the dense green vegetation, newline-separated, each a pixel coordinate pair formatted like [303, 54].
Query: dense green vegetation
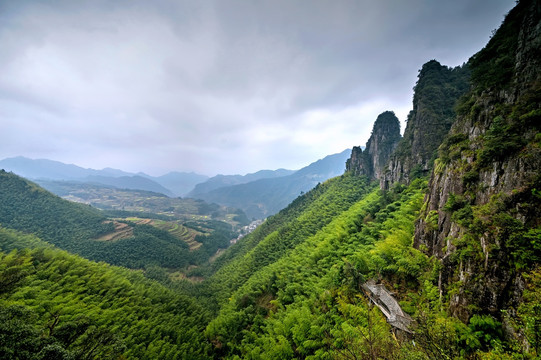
[55, 305]
[303, 301]
[283, 232]
[308, 303]
[287, 309]
[77, 228]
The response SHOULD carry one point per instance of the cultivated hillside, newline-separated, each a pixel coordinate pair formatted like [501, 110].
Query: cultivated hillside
[123, 240]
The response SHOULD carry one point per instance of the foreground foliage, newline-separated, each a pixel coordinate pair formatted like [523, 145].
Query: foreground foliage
[55, 305]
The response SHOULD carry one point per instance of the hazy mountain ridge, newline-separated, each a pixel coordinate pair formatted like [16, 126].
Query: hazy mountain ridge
[219, 181]
[172, 184]
[180, 183]
[53, 170]
[129, 182]
[264, 197]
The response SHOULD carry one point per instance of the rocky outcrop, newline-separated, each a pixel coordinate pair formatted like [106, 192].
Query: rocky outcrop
[483, 201]
[435, 94]
[357, 163]
[379, 147]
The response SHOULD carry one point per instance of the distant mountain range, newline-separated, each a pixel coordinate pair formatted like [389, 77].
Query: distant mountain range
[220, 181]
[266, 196]
[259, 194]
[173, 184]
[53, 170]
[179, 183]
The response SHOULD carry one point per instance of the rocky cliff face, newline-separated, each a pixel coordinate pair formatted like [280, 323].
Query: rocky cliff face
[379, 147]
[435, 94]
[482, 214]
[357, 163]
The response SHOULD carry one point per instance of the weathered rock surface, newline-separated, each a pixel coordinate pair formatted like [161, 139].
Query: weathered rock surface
[435, 94]
[483, 185]
[379, 147]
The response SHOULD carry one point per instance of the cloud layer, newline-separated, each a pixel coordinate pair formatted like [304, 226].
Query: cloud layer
[217, 86]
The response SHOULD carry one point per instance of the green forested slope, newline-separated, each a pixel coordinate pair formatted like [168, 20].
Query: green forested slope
[27, 207]
[281, 233]
[309, 302]
[299, 305]
[55, 305]
[76, 227]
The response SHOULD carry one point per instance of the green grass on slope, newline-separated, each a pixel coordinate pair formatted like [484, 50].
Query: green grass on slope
[55, 305]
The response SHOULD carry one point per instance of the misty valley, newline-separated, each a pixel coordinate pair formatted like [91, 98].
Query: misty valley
[422, 244]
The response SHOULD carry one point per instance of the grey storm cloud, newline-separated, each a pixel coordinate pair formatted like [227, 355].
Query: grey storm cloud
[217, 86]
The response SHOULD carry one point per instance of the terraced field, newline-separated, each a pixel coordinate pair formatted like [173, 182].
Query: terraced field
[122, 231]
[180, 232]
[139, 221]
[113, 199]
[186, 234]
[175, 228]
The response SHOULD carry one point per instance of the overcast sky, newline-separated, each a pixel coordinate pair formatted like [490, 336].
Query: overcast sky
[218, 86]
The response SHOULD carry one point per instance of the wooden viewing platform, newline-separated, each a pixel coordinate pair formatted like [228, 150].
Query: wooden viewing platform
[383, 299]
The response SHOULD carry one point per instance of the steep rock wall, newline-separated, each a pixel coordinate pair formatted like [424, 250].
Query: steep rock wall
[482, 213]
[435, 94]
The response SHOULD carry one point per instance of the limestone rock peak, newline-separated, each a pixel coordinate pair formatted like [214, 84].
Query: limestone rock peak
[379, 147]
